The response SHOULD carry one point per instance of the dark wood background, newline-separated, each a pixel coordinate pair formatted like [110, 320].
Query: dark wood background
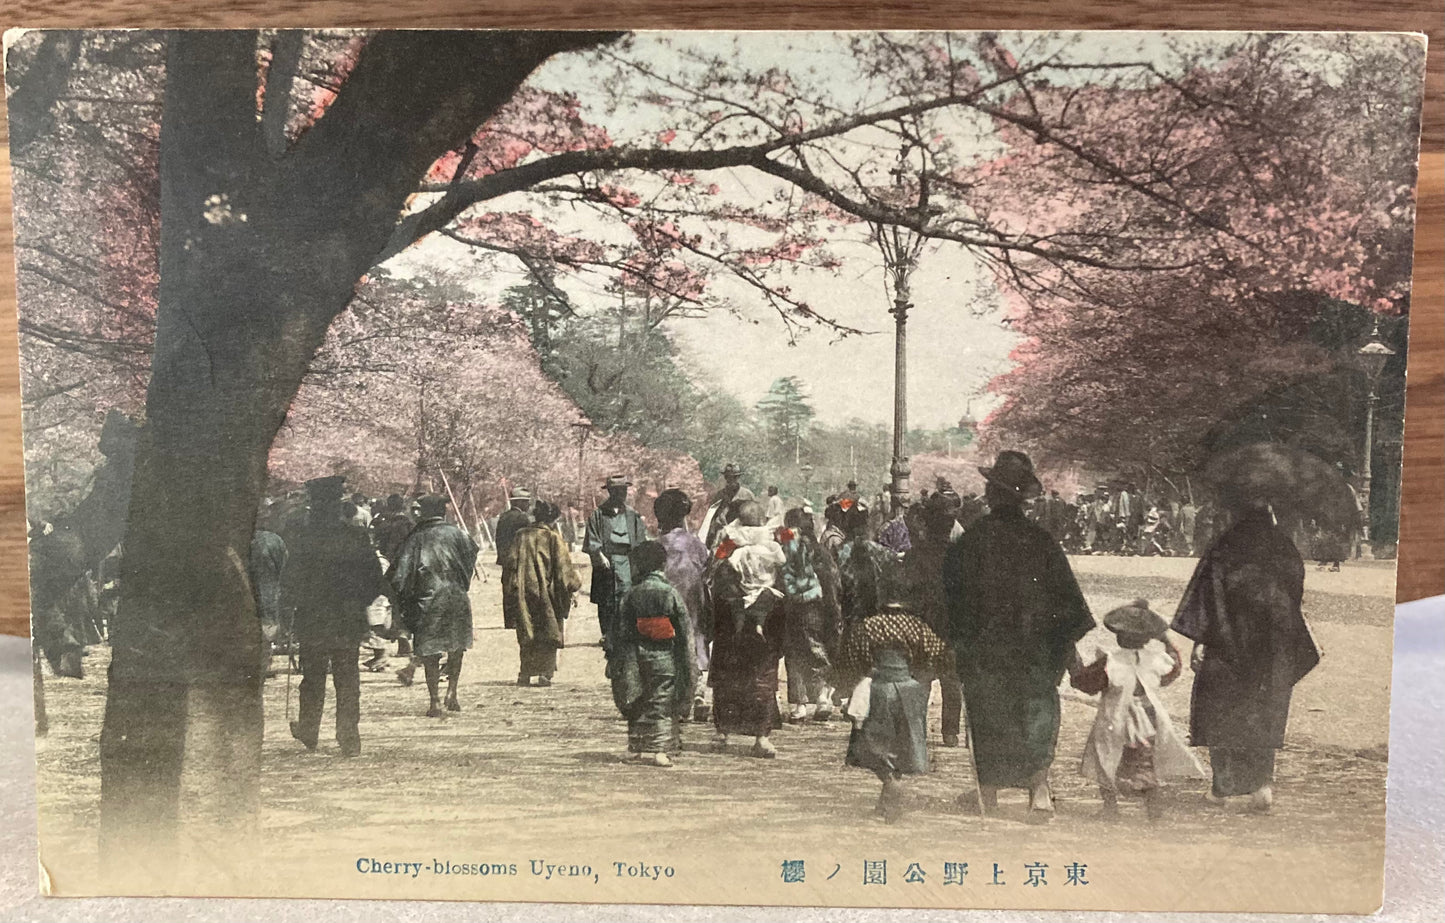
[1422, 527]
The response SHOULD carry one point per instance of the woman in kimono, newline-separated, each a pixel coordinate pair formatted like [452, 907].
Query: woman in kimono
[807, 625]
[652, 663]
[743, 579]
[538, 581]
[890, 648]
[1251, 645]
[687, 559]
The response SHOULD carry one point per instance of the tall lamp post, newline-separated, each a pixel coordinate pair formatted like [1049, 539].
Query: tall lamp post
[1372, 358]
[582, 429]
[900, 248]
[807, 472]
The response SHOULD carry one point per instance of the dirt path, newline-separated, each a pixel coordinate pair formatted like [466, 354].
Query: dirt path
[537, 773]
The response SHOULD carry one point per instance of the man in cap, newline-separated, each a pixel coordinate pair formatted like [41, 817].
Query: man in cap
[516, 517]
[723, 505]
[332, 576]
[613, 530]
[431, 575]
[1015, 613]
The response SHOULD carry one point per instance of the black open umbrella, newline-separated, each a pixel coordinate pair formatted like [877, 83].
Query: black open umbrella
[1299, 486]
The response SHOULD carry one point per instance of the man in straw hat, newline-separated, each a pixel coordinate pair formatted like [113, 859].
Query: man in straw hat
[613, 530]
[723, 505]
[538, 581]
[333, 575]
[516, 517]
[1015, 612]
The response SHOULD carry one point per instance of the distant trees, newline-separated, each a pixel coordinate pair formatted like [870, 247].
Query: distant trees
[786, 414]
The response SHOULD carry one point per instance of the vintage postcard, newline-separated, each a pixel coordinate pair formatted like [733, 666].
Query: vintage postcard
[841, 469]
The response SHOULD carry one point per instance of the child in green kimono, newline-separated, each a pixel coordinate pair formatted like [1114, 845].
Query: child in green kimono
[652, 664]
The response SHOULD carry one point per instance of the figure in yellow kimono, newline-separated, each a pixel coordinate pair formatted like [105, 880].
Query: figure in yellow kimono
[1133, 745]
[538, 581]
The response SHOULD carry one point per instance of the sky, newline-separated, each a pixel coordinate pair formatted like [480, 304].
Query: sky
[957, 338]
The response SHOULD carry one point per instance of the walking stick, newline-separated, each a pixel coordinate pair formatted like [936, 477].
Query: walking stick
[973, 760]
[290, 659]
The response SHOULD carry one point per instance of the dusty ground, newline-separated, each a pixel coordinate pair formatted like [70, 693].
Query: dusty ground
[525, 774]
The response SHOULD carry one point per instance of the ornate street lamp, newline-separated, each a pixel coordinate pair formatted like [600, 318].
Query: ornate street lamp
[1372, 358]
[900, 248]
[581, 429]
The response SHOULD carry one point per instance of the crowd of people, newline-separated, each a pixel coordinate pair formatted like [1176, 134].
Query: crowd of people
[867, 609]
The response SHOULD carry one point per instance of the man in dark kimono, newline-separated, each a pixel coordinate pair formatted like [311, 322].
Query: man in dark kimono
[613, 530]
[333, 575]
[431, 575]
[1015, 613]
[723, 505]
[1251, 645]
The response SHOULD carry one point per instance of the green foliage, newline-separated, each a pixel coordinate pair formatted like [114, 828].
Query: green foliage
[630, 381]
[541, 308]
[785, 413]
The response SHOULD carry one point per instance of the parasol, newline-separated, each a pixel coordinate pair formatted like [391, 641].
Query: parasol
[1297, 484]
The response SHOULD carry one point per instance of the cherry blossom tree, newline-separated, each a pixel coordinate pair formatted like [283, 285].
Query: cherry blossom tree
[1114, 367]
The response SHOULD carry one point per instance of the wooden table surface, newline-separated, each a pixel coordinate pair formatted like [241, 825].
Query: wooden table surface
[1422, 526]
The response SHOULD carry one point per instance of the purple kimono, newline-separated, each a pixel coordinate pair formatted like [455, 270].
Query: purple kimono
[687, 558]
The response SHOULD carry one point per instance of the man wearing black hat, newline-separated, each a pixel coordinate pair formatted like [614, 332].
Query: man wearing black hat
[613, 530]
[1015, 613]
[431, 575]
[723, 505]
[332, 576]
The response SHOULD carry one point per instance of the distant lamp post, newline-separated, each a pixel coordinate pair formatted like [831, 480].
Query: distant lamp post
[582, 429]
[1372, 358]
[807, 472]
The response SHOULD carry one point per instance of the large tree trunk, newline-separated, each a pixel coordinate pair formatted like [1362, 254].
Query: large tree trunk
[259, 252]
